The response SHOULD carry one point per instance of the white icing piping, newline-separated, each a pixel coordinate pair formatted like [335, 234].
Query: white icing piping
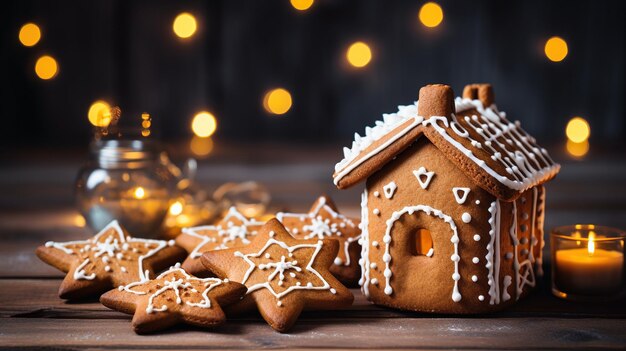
[491, 278]
[345, 170]
[490, 126]
[364, 261]
[320, 228]
[121, 244]
[175, 284]
[290, 249]
[231, 233]
[456, 296]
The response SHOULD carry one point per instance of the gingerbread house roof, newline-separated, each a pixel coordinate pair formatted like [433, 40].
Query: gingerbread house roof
[470, 131]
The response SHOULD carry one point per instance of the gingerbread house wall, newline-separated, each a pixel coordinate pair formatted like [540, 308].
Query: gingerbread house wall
[459, 275]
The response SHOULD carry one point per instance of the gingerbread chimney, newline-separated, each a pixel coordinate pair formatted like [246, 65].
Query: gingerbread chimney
[482, 92]
[435, 100]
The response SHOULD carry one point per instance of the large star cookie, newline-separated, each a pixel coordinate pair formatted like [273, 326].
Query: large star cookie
[233, 230]
[323, 221]
[174, 297]
[284, 275]
[109, 259]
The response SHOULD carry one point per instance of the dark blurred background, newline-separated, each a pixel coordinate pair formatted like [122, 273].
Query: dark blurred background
[126, 53]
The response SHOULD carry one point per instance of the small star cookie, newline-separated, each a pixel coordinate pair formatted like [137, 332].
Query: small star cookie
[233, 230]
[174, 297]
[107, 260]
[323, 221]
[284, 275]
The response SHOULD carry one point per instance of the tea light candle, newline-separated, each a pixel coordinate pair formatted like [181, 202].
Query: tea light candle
[586, 263]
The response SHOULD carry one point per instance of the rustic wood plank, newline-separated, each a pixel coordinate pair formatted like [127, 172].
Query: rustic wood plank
[37, 298]
[430, 333]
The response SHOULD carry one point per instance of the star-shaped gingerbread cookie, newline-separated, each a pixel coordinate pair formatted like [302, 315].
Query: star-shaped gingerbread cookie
[284, 275]
[324, 221]
[107, 260]
[233, 230]
[174, 297]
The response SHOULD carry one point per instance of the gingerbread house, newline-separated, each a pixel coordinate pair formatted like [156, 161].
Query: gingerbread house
[453, 207]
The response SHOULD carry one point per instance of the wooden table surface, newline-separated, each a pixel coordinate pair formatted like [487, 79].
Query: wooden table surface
[36, 205]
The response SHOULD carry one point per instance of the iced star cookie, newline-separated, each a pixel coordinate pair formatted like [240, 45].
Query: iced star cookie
[174, 297]
[109, 259]
[233, 230]
[324, 221]
[284, 275]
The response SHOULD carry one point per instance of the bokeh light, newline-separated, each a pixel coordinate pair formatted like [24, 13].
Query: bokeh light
[577, 130]
[302, 5]
[204, 124]
[359, 54]
[185, 25]
[139, 193]
[277, 101]
[176, 208]
[577, 150]
[556, 49]
[201, 146]
[30, 34]
[431, 14]
[99, 113]
[46, 67]
[79, 221]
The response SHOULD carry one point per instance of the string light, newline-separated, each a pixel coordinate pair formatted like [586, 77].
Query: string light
[146, 122]
[29, 34]
[99, 114]
[46, 67]
[185, 25]
[302, 5]
[277, 101]
[201, 146]
[556, 49]
[204, 124]
[577, 130]
[431, 14]
[359, 54]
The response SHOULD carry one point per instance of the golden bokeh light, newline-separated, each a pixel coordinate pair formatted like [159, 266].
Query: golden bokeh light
[201, 146]
[46, 67]
[577, 150]
[302, 5]
[556, 49]
[185, 25]
[577, 130]
[204, 124]
[79, 221]
[30, 34]
[359, 54]
[99, 113]
[277, 101]
[176, 208]
[139, 193]
[145, 133]
[431, 14]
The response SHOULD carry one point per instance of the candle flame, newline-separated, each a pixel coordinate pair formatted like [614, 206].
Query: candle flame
[591, 245]
[139, 193]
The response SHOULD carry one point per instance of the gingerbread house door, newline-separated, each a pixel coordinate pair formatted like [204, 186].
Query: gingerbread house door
[424, 258]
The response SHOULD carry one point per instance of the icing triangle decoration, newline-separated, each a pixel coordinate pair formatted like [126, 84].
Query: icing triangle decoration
[460, 194]
[390, 189]
[422, 173]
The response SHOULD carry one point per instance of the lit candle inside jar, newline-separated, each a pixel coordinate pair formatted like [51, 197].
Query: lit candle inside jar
[589, 270]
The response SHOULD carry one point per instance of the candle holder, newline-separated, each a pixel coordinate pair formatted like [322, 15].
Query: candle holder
[125, 180]
[587, 262]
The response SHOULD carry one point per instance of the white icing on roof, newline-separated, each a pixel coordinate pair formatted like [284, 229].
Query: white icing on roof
[506, 143]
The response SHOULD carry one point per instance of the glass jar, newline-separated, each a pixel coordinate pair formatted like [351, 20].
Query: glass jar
[125, 180]
[588, 262]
